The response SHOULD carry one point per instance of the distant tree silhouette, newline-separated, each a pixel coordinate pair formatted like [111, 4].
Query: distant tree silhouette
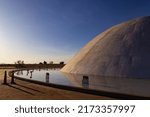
[44, 62]
[51, 62]
[61, 63]
[22, 62]
[40, 63]
[19, 64]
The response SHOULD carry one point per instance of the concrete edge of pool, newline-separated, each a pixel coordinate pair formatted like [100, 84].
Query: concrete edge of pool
[82, 90]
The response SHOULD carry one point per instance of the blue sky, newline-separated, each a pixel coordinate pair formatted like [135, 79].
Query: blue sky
[54, 30]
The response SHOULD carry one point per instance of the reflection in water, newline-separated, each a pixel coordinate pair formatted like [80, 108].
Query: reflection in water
[31, 73]
[47, 77]
[55, 75]
[27, 72]
[133, 86]
[19, 72]
[85, 82]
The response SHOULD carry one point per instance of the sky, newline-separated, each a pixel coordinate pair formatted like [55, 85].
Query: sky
[55, 30]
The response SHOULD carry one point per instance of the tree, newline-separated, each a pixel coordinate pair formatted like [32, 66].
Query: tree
[40, 63]
[62, 63]
[44, 62]
[51, 62]
[22, 62]
[19, 63]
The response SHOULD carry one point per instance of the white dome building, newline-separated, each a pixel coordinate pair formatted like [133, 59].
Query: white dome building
[121, 51]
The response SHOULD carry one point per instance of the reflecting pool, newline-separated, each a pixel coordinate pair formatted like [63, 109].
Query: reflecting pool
[132, 86]
[54, 76]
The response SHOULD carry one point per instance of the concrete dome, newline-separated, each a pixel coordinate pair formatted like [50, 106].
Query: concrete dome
[121, 51]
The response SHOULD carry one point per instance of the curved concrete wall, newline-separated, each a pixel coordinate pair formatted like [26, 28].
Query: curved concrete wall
[121, 51]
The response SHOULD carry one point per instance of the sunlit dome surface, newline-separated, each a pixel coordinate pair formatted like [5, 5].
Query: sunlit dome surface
[121, 51]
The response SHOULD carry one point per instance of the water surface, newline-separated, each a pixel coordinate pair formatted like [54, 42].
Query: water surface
[139, 87]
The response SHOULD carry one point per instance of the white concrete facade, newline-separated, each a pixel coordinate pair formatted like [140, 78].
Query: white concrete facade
[121, 51]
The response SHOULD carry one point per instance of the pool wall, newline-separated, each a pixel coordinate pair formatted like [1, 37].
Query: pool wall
[82, 90]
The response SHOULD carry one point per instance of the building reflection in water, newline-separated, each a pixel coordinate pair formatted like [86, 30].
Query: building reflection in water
[85, 82]
[133, 86]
